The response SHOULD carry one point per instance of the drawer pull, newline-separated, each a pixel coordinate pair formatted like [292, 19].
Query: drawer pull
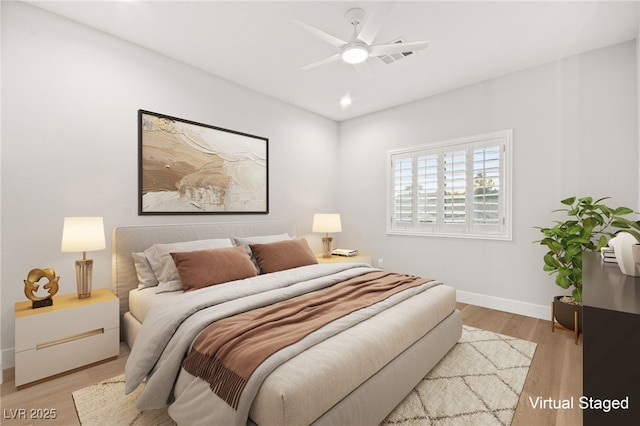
[70, 338]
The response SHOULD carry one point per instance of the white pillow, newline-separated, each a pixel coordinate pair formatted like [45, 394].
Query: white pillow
[260, 239]
[162, 263]
[146, 277]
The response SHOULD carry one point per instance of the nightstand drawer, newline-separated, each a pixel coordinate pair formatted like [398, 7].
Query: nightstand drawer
[35, 330]
[36, 364]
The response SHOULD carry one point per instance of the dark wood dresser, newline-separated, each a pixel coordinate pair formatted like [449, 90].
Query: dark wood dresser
[611, 327]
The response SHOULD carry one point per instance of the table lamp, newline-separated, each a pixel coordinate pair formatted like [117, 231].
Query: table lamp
[83, 234]
[326, 222]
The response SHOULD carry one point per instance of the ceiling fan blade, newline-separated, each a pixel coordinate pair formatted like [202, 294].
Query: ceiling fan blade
[374, 22]
[326, 37]
[331, 58]
[393, 48]
[363, 69]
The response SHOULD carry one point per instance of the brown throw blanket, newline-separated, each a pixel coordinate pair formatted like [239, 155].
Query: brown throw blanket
[227, 352]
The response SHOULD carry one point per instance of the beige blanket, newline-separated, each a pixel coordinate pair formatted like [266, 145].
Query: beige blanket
[227, 352]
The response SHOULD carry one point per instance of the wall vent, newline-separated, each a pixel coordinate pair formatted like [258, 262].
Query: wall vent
[389, 59]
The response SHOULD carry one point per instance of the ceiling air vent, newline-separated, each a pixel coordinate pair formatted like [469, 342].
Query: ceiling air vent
[389, 59]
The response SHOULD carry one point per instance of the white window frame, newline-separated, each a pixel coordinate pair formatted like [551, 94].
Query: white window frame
[463, 226]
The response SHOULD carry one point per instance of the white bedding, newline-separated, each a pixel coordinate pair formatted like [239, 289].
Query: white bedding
[159, 352]
[142, 300]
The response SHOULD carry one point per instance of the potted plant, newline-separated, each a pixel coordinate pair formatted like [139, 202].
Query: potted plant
[587, 226]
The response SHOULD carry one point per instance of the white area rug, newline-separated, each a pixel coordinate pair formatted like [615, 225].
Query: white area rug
[106, 404]
[477, 383]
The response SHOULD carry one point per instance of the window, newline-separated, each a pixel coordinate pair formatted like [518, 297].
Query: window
[459, 188]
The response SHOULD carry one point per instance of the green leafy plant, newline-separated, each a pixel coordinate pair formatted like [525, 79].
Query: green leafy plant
[630, 226]
[588, 227]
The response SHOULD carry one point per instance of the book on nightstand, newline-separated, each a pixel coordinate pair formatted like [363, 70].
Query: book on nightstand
[608, 255]
[344, 252]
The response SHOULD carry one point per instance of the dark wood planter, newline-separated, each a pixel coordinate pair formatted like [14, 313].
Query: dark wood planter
[565, 315]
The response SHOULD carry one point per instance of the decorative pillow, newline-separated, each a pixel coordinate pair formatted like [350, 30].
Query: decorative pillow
[165, 269]
[245, 241]
[281, 255]
[146, 277]
[204, 268]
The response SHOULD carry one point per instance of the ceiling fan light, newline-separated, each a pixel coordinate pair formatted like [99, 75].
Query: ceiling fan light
[355, 54]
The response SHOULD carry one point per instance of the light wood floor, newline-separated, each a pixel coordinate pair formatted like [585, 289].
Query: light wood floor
[556, 372]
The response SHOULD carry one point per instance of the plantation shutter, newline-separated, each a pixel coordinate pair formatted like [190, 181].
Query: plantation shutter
[457, 188]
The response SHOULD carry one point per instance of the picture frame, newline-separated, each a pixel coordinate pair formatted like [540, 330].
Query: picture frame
[185, 167]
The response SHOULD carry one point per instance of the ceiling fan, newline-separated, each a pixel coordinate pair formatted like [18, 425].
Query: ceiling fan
[359, 48]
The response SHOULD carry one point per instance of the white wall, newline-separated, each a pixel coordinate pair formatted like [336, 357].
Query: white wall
[69, 143]
[575, 133]
[1, 368]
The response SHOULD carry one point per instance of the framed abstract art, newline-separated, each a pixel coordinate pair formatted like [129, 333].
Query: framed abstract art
[193, 168]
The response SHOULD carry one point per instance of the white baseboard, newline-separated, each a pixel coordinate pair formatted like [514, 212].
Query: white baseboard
[506, 305]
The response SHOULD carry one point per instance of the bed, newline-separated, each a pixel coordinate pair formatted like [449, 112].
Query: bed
[364, 362]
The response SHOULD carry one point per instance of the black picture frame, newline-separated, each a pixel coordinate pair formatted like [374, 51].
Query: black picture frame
[185, 167]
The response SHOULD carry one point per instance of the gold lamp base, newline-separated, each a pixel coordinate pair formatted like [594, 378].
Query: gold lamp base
[84, 270]
[326, 247]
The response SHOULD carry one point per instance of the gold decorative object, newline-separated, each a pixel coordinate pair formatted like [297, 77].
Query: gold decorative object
[30, 285]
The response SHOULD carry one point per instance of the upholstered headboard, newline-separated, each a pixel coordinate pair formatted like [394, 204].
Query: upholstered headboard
[131, 239]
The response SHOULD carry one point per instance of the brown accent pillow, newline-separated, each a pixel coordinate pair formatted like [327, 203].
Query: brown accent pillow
[204, 268]
[281, 255]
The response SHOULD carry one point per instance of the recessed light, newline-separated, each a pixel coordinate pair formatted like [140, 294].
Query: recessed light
[345, 101]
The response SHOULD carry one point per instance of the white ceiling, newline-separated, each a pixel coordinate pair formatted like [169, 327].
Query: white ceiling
[256, 44]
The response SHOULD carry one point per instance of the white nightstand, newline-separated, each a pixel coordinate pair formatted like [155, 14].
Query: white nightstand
[359, 258]
[70, 334]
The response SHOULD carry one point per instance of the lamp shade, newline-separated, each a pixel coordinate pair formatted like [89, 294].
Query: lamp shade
[83, 234]
[326, 222]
